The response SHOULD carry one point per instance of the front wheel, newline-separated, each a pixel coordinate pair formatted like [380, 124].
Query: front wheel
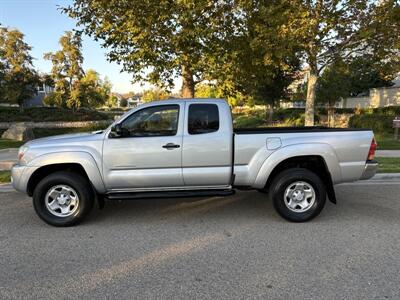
[63, 199]
[298, 194]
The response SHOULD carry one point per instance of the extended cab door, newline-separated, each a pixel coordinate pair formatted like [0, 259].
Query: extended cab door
[207, 144]
[148, 153]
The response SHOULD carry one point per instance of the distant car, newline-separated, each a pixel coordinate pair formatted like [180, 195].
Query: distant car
[182, 148]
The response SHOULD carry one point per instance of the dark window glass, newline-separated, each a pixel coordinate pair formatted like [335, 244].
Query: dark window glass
[153, 121]
[203, 118]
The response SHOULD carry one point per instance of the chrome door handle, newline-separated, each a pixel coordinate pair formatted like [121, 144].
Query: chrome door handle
[171, 146]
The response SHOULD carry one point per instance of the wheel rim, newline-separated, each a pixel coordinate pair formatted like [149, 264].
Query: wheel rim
[299, 196]
[62, 200]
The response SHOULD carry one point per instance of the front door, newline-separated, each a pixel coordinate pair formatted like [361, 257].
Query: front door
[148, 152]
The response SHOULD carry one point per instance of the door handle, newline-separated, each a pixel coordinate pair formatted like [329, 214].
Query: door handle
[171, 146]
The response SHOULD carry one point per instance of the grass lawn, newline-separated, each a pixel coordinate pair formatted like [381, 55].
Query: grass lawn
[4, 143]
[387, 142]
[388, 164]
[5, 176]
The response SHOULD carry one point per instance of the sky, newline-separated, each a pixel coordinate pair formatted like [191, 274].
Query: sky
[43, 24]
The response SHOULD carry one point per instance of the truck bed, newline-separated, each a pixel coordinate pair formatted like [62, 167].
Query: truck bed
[344, 150]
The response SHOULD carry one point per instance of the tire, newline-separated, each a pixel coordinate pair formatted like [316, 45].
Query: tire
[63, 198]
[298, 194]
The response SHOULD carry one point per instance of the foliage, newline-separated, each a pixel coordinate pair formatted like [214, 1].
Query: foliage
[45, 132]
[341, 80]
[154, 94]
[112, 101]
[157, 40]
[388, 164]
[260, 64]
[123, 102]
[17, 77]
[89, 91]
[248, 121]
[5, 176]
[49, 114]
[5, 144]
[74, 88]
[324, 31]
[386, 141]
[379, 123]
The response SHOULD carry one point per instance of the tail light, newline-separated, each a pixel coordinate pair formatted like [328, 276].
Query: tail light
[372, 149]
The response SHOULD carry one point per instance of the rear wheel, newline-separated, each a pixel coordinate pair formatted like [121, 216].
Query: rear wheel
[298, 194]
[63, 198]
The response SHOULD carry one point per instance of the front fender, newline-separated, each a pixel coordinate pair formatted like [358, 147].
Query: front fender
[315, 149]
[82, 158]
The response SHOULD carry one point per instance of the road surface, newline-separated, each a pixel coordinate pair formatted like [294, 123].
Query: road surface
[209, 248]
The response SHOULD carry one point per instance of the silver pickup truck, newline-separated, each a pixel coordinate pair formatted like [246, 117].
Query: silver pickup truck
[182, 148]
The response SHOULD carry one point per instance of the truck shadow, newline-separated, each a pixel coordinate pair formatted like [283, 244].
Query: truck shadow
[244, 206]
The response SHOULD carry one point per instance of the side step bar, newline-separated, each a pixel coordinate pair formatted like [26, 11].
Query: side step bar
[167, 194]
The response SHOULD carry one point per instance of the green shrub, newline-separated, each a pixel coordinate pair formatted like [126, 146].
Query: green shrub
[44, 132]
[244, 121]
[379, 123]
[49, 114]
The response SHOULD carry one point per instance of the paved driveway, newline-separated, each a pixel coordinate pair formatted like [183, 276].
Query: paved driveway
[234, 247]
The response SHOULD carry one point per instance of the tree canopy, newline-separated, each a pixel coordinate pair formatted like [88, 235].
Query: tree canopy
[18, 79]
[158, 40]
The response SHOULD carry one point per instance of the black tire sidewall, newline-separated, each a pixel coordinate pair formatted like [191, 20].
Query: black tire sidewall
[287, 177]
[75, 181]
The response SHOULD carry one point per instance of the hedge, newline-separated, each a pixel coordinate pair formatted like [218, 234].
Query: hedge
[49, 114]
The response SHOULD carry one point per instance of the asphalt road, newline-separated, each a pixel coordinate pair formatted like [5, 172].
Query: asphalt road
[235, 247]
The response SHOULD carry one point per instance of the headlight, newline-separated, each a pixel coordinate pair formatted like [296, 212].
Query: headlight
[21, 152]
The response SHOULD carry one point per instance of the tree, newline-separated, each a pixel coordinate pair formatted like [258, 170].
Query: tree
[341, 80]
[89, 91]
[157, 40]
[154, 94]
[259, 64]
[18, 79]
[324, 31]
[67, 68]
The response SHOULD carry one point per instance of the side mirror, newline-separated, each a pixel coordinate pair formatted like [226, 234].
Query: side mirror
[116, 130]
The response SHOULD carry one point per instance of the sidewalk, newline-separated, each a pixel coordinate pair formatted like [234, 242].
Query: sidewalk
[387, 153]
[8, 157]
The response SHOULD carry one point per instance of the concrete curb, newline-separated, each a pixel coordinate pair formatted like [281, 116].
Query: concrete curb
[386, 176]
[6, 165]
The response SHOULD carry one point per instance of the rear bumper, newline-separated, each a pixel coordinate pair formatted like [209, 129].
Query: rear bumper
[371, 167]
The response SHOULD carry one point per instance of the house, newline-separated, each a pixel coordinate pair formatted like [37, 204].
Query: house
[134, 101]
[42, 90]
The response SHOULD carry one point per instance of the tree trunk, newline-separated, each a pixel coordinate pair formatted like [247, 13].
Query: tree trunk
[311, 88]
[270, 113]
[187, 83]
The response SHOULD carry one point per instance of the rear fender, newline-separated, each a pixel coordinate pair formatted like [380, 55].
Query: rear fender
[315, 149]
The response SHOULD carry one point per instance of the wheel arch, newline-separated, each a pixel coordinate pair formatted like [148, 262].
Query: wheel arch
[78, 162]
[318, 158]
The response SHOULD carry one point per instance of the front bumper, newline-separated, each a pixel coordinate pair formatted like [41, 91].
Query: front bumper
[20, 176]
[371, 167]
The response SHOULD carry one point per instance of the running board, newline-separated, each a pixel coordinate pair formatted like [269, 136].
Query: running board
[167, 194]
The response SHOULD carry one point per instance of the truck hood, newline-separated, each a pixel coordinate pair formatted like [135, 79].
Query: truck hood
[65, 138]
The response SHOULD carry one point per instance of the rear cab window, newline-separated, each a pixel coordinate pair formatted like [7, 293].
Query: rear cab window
[203, 118]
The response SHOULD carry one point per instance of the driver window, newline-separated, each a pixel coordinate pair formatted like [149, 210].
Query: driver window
[152, 121]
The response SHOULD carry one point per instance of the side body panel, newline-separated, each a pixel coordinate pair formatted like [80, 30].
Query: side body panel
[344, 152]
